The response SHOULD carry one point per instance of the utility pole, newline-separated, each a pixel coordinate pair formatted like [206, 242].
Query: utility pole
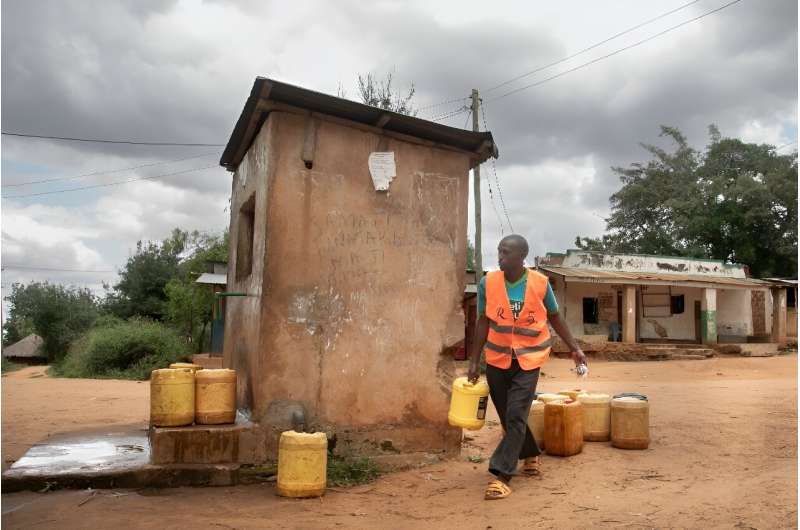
[476, 187]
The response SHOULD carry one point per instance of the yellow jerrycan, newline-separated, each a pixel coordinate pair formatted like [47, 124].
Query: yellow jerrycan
[536, 422]
[171, 397]
[630, 422]
[596, 417]
[573, 393]
[547, 397]
[191, 366]
[302, 464]
[468, 404]
[215, 396]
[563, 427]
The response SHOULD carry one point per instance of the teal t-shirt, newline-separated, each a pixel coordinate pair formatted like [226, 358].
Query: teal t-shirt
[516, 296]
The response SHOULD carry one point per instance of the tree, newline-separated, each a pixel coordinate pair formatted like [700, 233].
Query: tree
[188, 306]
[381, 94]
[140, 290]
[470, 255]
[56, 313]
[735, 202]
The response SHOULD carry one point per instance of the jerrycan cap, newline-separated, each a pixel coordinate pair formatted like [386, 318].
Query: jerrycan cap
[480, 387]
[632, 395]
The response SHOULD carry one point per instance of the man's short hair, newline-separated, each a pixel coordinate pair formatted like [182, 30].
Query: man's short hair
[517, 240]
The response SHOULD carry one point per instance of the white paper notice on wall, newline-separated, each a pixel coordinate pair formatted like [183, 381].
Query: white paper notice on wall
[382, 169]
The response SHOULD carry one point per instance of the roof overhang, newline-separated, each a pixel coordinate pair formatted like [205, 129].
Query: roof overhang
[209, 278]
[268, 95]
[575, 275]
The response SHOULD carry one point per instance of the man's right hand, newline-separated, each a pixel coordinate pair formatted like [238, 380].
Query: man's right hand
[474, 373]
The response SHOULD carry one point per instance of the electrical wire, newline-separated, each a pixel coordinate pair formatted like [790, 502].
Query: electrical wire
[786, 145]
[496, 179]
[593, 46]
[108, 184]
[451, 114]
[31, 182]
[103, 141]
[467, 120]
[620, 50]
[435, 105]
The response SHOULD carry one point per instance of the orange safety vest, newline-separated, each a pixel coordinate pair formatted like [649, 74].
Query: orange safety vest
[528, 336]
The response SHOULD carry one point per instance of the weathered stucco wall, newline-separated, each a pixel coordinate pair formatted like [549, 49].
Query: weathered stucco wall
[673, 327]
[243, 314]
[362, 289]
[734, 314]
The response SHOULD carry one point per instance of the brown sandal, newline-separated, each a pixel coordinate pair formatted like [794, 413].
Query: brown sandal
[497, 489]
[530, 467]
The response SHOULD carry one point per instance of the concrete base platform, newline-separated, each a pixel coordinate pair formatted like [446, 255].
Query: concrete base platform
[119, 459]
[206, 360]
[238, 443]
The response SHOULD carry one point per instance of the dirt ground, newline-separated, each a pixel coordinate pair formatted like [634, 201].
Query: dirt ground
[723, 455]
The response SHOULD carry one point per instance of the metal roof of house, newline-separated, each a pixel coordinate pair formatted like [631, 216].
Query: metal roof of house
[572, 274]
[268, 95]
[212, 279]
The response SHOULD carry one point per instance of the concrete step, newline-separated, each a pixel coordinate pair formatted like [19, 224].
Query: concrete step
[687, 357]
[116, 459]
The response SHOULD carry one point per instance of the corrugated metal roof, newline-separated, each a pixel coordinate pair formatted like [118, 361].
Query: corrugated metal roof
[212, 279]
[607, 276]
[781, 281]
[268, 94]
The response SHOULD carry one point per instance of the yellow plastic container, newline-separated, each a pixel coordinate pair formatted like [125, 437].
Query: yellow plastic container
[302, 464]
[468, 404]
[191, 366]
[536, 422]
[563, 427]
[573, 394]
[547, 398]
[630, 423]
[171, 397]
[596, 417]
[215, 396]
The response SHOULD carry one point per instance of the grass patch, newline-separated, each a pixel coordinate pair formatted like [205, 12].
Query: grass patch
[345, 472]
[8, 366]
[123, 350]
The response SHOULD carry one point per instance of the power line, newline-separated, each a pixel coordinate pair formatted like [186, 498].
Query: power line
[49, 269]
[105, 172]
[786, 145]
[103, 141]
[593, 46]
[584, 65]
[107, 184]
[451, 114]
[435, 105]
[467, 120]
[496, 179]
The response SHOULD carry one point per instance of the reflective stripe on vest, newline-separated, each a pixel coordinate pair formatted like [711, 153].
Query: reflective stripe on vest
[528, 337]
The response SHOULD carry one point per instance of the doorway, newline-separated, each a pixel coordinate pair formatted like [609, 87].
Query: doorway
[698, 336]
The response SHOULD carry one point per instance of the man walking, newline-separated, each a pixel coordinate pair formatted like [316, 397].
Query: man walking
[514, 306]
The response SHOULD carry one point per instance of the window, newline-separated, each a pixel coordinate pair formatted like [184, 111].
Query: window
[590, 310]
[791, 299]
[676, 304]
[244, 239]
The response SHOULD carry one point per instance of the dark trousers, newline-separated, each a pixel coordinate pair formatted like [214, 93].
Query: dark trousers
[512, 391]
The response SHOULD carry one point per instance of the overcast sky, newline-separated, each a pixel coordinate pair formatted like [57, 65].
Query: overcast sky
[180, 71]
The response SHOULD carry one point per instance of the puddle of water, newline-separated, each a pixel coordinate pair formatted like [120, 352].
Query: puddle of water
[84, 454]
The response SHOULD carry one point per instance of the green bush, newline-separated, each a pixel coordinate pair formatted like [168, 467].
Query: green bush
[123, 349]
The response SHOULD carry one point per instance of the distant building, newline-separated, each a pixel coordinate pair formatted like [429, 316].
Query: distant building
[216, 276]
[639, 298]
[27, 350]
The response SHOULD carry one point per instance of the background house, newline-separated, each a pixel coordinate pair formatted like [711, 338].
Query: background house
[658, 298]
